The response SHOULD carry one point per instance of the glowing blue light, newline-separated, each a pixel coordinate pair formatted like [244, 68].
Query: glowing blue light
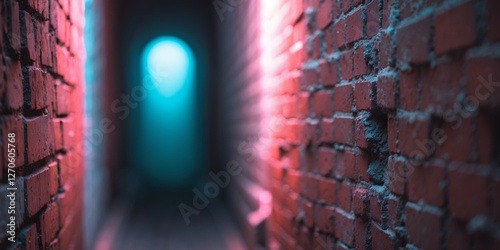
[169, 133]
[168, 62]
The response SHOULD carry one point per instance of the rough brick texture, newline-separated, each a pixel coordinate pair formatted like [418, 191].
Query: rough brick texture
[396, 142]
[41, 93]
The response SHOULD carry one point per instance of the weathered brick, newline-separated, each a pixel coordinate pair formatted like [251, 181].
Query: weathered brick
[328, 73]
[324, 15]
[469, 200]
[354, 26]
[364, 95]
[9, 125]
[40, 138]
[343, 131]
[360, 66]
[422, 226]
[456, 28]
[344, 227]
[323, 105]
[328, 191]
[13, 90]
[342, 98]
[386, 93]
[50, 223]
[413, 41]
[492, 19]
[37, 190]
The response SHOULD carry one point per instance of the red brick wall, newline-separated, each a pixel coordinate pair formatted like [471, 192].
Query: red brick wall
[238, 102]
[41, 90]
[385, 117]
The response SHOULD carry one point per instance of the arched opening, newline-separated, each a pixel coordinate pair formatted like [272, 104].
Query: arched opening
[169, 154]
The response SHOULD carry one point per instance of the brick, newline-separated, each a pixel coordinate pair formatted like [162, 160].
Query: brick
[483, 81]
[372, 18]
[324, 15]
[40, 138]
[361, 202]
[12, 124]
[293, 181]
[68, 168]
[303, 237]
[360, 234]
[413, 40]
[292, 129]
[37, 190]
[441, 86]
[53, 177]
[340, 165]
[346, 65]
[364, 95]
[360, 66]
[327, 130]
[393, 214]
[422, 226]
[350, 164]
[68, 130]
[344, 227]
[354, 26]
[46, 48]
[288, 107]
[392, 133]
[386, 93]
[413, 138]
[409, 95]
[323, 103]
[343, 131]
[456, 28]
[31, 241]
[327, 158]
[308, 210]
[454, 133]
[325, 219]
[397, 175]
[297, 8]
[376, 204]
[28, 51]
[362, 162]
[316, 47]
[493, 19]
[58, 144]
[381, 239]
[344, 195]
[342, 98]
[327, 189]
[50, 223]
[328, 73]
[321, 241]
[330, 43]
[457, 236]
[385, 51]
[338, 38]
[14, 29]
[386, 12]
[427, 184]
[309, 77]
[310, 189]
[13, 90]
[37, 81]
[467, 201]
